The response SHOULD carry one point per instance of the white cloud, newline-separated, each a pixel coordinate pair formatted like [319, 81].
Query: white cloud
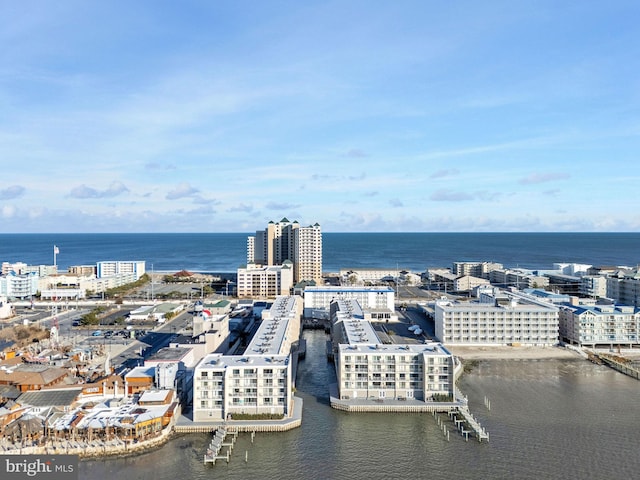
[536, 178]
[9, 193]
[84, 191]
[8, 211]
[181, 191]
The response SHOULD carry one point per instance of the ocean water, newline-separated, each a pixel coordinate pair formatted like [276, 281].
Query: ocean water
[225, 252]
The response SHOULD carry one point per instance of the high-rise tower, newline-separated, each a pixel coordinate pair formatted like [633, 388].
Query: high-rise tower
[287, 240]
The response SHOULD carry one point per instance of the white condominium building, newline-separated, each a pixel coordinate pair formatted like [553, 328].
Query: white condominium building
[225, 385]
[265, 282]
[475, 269]
[19, 286]
[600, 325]
[287, 240]
[594, 286]
[112, 268]
[368, 369]
[258, 382]
[509, 319]
[367, 297]
[624, 287]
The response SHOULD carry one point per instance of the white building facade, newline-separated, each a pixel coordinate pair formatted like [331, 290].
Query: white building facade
[287, 240]
[521, 320]
[624, 287]
[600, 325]
[259, 382]
[121, 267]
[368, 369]
[13, 285]
[368, 297]
[265, 282]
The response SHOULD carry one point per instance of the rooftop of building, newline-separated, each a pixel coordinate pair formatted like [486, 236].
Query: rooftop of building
[169, 354]
[50, 398]
[215, 360]
[432, 348]
[334, 289]
[602, 310]
[142, 371]
[476, 305]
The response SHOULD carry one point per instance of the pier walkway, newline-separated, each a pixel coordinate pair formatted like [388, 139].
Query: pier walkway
[468, 420]
[620, 364]
[217, 442]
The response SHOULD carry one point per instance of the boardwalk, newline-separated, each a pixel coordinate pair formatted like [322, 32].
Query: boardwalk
[620, 364]
[468, 424]
[219, 441]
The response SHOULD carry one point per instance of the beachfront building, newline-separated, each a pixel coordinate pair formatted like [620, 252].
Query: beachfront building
[121, 267]
[265, 282]
[286, 240]
[518, 278]
[15, 285]
[441, 277]
[624, 286]
[466, 283]
[260, 381]
[82, 270]
[368, 369]
[572, 269]
[89, 283]
[475, 269]
[561, 283]
[600, 325]
[594, 286]
[18, 268]
[364, 276]
[497, 318]
[318, 299]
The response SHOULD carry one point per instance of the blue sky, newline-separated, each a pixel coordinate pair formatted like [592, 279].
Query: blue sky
[218, 116]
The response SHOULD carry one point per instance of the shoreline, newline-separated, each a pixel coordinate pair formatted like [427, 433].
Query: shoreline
[514, 353]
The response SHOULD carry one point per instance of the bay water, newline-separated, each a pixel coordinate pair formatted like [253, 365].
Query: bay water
[548, 419]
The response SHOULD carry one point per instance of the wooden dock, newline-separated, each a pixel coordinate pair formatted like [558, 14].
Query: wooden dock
[466, 424]
[219, 441]
[620, 364]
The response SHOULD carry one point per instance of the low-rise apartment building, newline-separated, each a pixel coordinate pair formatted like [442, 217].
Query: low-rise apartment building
[319, 298]
[119, 267]
[260, 381]
[600, 325]
[502, 319]
[475, 269]
[368, 369]
[256, 281]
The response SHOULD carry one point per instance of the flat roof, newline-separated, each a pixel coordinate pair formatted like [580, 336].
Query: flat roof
[269, 339]
[217, 360]
[153, 396]
[169, 354]
[328, 289]
[432, 348]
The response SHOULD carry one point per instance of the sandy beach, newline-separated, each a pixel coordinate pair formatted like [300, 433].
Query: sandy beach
[513, 353]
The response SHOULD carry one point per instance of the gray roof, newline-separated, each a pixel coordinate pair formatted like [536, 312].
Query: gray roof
[50, 398]
[9, 391]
